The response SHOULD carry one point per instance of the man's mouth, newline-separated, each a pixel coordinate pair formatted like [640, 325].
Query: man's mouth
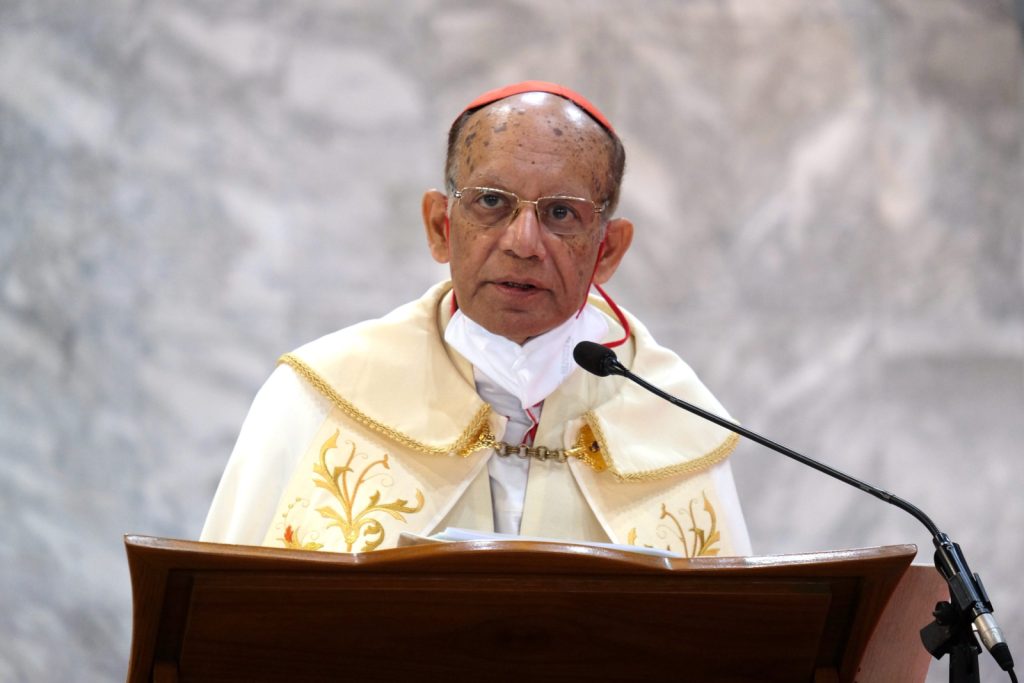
[517, 285]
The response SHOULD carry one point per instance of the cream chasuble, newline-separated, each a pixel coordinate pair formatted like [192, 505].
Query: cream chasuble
[406, 440]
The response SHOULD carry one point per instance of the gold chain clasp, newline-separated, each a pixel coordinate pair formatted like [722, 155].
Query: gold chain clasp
[542, 453]
[587, 449]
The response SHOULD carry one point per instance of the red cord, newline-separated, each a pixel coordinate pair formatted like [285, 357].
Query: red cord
[618, 314]
[531, 434]
[611, 304]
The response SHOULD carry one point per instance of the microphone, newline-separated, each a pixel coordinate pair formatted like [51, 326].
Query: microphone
[967, 594]
[597, 359]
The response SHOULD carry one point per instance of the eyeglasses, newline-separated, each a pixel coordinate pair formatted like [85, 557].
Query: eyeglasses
[488, 207]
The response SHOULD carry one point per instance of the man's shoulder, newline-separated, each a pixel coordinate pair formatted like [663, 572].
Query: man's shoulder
[394, 376]
[410, 324]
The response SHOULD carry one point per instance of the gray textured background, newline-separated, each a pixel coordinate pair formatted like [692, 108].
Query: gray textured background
[828, 196]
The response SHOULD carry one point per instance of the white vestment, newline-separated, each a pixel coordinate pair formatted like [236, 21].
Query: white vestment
[379, 428]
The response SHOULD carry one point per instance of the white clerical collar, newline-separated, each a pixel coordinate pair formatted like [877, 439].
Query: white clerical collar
[530, 372]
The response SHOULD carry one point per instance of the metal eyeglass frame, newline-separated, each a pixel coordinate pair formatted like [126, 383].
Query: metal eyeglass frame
[598, 210]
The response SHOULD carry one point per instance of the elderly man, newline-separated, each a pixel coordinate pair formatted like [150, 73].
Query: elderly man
[464, 408]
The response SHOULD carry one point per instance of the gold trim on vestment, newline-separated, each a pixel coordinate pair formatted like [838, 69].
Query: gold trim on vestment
[477, 435]
[689, 467]
[590, 447]
[473, 438]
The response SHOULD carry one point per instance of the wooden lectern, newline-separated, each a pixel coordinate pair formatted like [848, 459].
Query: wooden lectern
[499, 610]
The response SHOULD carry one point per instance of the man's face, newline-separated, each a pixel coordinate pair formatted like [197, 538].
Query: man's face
[521, 281]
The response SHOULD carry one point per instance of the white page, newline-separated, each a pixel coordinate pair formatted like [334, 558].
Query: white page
[456, 534]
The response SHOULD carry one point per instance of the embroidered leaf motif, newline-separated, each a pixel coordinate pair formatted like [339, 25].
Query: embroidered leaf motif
[697, 540]
[400, 506]
[631, 539]
[374, 534]
[713, 536]
[354, 525]
[291, 540]
[330, 513]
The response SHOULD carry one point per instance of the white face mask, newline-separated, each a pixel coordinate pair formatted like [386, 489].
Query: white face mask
[530, 372]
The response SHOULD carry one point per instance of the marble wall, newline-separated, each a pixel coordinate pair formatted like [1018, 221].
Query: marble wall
[828, 200]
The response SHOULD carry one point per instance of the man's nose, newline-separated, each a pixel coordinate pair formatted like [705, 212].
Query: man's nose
[523, 235]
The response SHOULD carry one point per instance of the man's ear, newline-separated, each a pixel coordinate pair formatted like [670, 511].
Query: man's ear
[618, 235]
[435, 221]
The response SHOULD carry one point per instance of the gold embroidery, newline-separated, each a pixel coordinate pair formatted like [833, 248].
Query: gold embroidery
[291, 540]
[336, 482]
[474, 438]
[589, 447]
[703, 541]
[684, 468]
[477, 436]
[586, 449]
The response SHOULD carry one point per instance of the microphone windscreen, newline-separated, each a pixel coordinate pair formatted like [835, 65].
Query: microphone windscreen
[594, 358]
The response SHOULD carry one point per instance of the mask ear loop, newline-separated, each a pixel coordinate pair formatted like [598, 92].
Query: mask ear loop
[619, 315]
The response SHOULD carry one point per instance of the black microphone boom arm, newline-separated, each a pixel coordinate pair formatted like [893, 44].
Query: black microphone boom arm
[970, 603]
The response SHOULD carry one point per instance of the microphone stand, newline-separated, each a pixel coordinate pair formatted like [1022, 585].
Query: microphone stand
[968, 606]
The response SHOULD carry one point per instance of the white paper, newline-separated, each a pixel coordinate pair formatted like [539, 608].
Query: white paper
[456, 534]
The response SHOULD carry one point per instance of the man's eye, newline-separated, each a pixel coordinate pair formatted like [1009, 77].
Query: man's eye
[563, 212]
[491, 200]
